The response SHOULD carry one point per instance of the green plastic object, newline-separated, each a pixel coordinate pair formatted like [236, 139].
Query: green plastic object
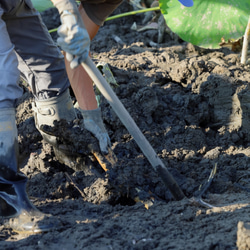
[42, 5]
[207, 21]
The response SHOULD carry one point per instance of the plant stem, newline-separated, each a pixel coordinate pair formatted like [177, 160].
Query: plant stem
[53, 30]
[132, 13]
[123, 15]
[245, 43]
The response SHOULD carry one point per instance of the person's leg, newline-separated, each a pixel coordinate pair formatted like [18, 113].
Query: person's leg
[93, 15]
[15, 208]
[41, 63]
[10, 90]
[80, 81]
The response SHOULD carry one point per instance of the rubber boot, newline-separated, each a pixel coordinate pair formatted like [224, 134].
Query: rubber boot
[56, 109]
[53, 109]
[16, 210]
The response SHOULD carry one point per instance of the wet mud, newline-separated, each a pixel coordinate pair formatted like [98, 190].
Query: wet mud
[192, 105]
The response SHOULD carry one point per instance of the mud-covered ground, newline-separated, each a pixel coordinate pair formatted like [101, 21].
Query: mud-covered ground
[193, 106]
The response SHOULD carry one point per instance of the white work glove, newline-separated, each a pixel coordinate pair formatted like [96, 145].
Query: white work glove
[73, 36]
[92, 120]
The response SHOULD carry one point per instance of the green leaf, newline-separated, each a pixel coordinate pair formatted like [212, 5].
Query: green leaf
[42, 5]
[207, 21]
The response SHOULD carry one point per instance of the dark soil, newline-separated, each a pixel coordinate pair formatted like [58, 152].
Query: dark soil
[192, 105]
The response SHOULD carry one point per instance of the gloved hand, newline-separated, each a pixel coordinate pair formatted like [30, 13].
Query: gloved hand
[92, 121]
[73, 36]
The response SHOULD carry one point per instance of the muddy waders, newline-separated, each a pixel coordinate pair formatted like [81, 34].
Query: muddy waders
[16, 210]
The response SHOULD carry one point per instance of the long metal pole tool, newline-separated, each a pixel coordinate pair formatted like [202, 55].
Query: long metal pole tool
[132, 128]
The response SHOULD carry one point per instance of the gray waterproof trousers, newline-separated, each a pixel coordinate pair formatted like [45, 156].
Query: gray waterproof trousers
[27, 50]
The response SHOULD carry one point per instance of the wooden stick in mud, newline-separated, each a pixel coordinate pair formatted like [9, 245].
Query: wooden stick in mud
[129, 123]
[245, 43]
[72, 182]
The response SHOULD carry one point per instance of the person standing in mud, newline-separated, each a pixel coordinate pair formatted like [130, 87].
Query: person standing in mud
[27, 50]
